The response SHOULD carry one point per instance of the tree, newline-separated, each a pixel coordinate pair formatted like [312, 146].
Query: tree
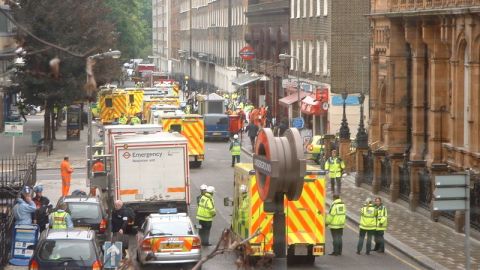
[53, 77]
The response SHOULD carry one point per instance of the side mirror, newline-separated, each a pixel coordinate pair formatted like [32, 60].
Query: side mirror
[227, 201]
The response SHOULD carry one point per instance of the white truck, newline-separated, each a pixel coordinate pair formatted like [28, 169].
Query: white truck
[113, 130]
[151, 172]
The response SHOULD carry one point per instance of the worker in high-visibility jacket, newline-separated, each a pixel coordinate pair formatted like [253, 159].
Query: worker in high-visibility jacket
[244, 205]
[235, 149]
[382, 222]
[336, 222]
[66, 171]
[60, 219]
[335, 165]
[368, 225]
[123, 120]
[205, 214]
[135, 120]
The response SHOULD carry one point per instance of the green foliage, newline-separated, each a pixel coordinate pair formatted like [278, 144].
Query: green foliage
[133, 20]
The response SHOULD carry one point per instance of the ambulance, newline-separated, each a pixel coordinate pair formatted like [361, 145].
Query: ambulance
[112, 103]
[305, 218]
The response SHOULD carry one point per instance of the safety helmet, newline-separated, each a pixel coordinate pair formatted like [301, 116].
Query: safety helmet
[243, 188]
[203, 187]
[235, 136]
[38, 188]
[210, 189]
[26, 190]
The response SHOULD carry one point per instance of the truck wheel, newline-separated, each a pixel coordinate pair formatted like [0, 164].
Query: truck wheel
[195, 164]
[309, 259]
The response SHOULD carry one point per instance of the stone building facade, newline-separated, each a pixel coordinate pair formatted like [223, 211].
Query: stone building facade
[425, 99]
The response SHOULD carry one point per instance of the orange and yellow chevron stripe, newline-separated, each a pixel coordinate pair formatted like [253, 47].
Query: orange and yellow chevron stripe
[135, 102]
[192, 128]
[259, 221]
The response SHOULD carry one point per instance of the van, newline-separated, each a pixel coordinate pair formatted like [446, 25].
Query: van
[216, 126]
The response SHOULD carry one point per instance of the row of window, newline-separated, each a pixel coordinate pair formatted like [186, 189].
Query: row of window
[308, 8]
[309, 56]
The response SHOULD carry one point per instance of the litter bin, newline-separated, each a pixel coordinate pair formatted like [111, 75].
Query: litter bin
[36, 137]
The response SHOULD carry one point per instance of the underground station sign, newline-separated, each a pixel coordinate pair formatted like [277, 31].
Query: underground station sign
[279, 164]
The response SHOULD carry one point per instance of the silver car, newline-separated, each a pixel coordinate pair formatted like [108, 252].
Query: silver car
[168, 239]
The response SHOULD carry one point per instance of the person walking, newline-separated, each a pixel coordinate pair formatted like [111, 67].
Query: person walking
[335, 165]
[336, 222]
[252, 131]
[235, 149]
[42, 203]
[61, 219]
[382, 222]
[205, 214]
[203, 190]
[24, 208]
[368, 223]
[120, 216]
[66, 171]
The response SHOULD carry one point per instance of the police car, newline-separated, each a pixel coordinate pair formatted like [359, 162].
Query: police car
[168, 238]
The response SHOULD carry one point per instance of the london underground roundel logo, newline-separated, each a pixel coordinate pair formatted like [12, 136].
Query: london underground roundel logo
[126, 155]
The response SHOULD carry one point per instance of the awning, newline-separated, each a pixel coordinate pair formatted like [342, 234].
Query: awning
[245, 79]
[311, 106]
[289, 100]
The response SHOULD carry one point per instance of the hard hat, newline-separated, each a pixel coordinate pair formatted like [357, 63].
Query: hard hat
[368, 200]
[203, 187]
[38, 188]
[210, 189]
[243, 188]
[26, 190]
[235, 136]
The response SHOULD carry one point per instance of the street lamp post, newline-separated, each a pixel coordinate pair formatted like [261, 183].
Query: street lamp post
[284, 56]
[344, 130]
[91, 85]
[362, 136]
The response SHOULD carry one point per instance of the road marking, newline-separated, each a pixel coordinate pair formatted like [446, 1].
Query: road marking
[390, 253]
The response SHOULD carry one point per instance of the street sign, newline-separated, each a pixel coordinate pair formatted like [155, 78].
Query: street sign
[449, 205]
[298, 122]
[113, 254]
[13, 129]
[449, 193]
[450, 180]
[247, 53]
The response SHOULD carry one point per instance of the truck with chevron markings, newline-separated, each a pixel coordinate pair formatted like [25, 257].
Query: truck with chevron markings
[305, 218]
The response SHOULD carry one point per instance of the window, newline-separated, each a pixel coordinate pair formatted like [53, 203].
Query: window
[311, 8]
[304, 8]
[317, 59]
[310, 57]
[292, 9]
[297, 66]
[325, 58]
[325, 7]
[292, 51]
[304, 60]
[298, 8]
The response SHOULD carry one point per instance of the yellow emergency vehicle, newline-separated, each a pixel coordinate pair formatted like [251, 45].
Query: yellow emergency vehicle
[305, 218]
[135, 101]
[191, 126]
[113, 103]
[165, 101]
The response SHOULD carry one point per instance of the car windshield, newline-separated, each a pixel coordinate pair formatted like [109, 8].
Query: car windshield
[67, 249]
[171, 228]
[216, 120]
[84, 210]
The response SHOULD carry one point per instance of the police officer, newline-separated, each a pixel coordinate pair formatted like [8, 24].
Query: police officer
[235, 149]
[60, 219]
[135, 120]
[335, 166]
[42, 203]
[203, 190]
[24, 208]
[336, 222]
[382, 221]
[205, 214]
[368, 224]
[123, 120]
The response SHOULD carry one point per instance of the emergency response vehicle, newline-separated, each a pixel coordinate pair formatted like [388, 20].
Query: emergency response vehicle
[305, 218]
[135, 101]
[113, 130]
[112, 104]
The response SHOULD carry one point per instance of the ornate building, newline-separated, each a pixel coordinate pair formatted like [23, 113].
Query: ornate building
[7, 49]
[425, 99]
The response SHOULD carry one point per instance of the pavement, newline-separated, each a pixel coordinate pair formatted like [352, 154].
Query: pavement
[431, 244]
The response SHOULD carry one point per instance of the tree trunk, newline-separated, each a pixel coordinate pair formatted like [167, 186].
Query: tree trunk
[52, 117]
[46, 123]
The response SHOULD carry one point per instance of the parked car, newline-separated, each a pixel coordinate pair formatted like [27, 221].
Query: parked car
[316, 148]
[72, 249]
[168, 239]
[87, 212]
[216, 126]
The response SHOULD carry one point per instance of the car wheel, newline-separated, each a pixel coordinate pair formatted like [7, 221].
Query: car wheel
[191, 265]
[138, 260]
[195, 164]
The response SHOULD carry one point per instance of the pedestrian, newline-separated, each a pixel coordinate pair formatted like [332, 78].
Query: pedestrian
[24, 208]
[203, 189]
[98, 166]
[205, 214]
[368, 224]
[282, 127]
[244, 205]
[235, 149]
[135, 120]
[252, 131]
[66, 171]
[120, 215]
[335, 165]
[336, 222]
[43, 204]
[22, 109]
[123, 120]
[382, 222]
[61, 219]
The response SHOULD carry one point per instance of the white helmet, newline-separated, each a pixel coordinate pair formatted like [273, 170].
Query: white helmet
[235, 136]
[243, 188]
[203, 187]
[210, 189]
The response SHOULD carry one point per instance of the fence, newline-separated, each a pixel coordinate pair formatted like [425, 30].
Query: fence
[15, 173]
[404, 174]
[386, 175]
[368, 167]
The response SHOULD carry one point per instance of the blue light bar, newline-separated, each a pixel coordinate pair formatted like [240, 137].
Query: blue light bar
[167, 211]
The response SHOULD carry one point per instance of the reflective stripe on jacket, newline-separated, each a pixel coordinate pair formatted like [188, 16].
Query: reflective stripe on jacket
[235, 148]
[382, 218]
[59, 220]
[206, 208]
[335, 166]
[337, 214]
[368, 217]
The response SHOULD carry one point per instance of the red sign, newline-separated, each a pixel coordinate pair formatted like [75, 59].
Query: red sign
[247, 53]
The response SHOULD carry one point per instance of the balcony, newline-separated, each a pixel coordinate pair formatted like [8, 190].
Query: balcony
[431, 6]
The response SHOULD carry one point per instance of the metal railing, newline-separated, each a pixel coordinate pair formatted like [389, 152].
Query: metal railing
[404, 174]
[475, 202]
[368, 167]
[386, 175]
[6, 227]
[404, 5]
[425, 194]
